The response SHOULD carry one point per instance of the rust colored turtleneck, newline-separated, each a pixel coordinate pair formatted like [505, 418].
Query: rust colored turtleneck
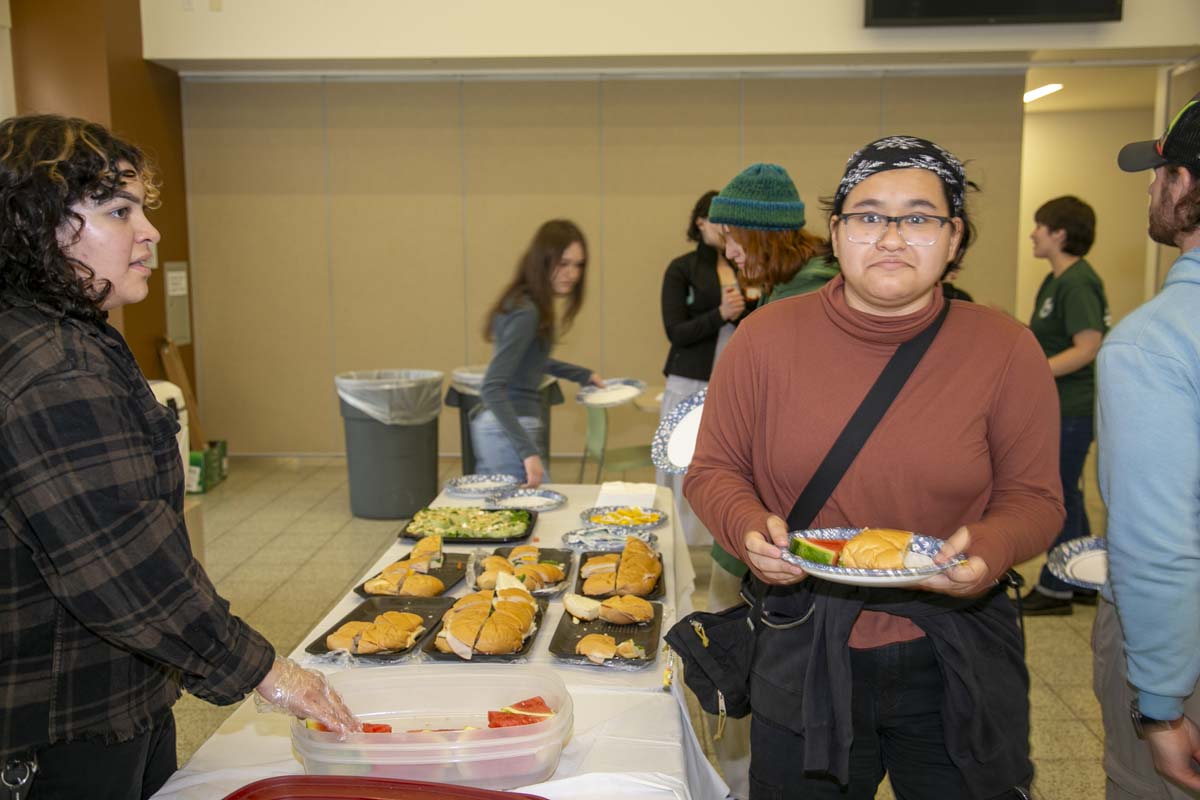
[971, 440]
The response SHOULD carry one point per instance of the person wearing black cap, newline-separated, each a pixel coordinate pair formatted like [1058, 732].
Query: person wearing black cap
[1146, 638]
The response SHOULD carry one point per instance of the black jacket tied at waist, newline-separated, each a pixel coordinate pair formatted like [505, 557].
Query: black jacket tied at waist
[800, 678]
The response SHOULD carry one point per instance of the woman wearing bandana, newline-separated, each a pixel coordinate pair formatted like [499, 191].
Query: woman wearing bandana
[926, 684]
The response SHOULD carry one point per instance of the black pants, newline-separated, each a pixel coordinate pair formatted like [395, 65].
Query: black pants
[897, 730]
[131, 770]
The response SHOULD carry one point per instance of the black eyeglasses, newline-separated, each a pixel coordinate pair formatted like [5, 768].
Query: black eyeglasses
[918, 230]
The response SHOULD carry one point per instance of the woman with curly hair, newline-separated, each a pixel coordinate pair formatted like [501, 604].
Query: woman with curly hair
[105, 616]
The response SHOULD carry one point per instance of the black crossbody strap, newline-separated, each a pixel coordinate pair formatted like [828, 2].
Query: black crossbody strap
[862, 423]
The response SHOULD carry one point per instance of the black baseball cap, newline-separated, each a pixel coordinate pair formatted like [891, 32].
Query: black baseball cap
[1179, 145]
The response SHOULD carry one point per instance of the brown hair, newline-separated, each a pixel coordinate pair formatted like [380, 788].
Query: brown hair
[1187, 210]
[774, 257]
[1073, 216]
[48, 164]
[532, 279]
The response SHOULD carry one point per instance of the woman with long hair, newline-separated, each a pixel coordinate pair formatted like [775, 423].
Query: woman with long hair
[508, 435]
[105, 615]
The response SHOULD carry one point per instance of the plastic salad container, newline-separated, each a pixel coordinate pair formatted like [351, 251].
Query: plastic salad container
[428, 708]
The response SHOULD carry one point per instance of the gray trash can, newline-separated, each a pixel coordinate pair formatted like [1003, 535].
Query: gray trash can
[391, 423]
[463, 394]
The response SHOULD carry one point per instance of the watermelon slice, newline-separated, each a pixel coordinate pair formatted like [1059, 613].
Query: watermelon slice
[825, 551]
[526, 712]
[367, 727]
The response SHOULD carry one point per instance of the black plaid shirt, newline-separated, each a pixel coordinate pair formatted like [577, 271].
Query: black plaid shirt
[104, 612]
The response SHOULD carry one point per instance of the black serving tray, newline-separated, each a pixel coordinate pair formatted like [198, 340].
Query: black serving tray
[452, 570]
[482, 658]
[569, 632]
[553, 555]
[656, 593]
[452, 539]
[431, 610]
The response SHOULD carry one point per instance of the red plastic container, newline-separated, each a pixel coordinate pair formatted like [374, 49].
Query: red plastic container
[345, 787]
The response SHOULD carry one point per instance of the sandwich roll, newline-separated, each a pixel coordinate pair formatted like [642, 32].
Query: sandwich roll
[381, 584]
[602, 583]
[598, 564]
[626, 610]
[346, 636]
[523, 554]
[418, 585]
[876, 548]
[597, 647]
[496, 563]
[580, 607]
[499, 636]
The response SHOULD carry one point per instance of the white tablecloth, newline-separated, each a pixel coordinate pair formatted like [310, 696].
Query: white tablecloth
[632, 739]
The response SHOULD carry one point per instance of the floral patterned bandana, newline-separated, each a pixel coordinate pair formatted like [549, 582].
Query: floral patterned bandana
[904, 152]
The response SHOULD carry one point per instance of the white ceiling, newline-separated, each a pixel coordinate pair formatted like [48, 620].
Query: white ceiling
[1093, 88]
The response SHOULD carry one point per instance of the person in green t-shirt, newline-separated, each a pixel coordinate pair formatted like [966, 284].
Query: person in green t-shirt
[1069, 320]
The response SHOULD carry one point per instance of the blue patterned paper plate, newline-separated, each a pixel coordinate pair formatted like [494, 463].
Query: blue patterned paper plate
[675, 440]
[606, 539]
[1081, 562]
[477, 486]
[614, 392]
[920, 555]
[529, 499]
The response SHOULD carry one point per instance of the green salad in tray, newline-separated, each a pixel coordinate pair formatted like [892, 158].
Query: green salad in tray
[472, 522]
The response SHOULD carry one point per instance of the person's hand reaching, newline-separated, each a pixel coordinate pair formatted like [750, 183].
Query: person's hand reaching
[305, 693]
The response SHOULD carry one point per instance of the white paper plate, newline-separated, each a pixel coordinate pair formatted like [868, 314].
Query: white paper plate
[614, 392]
[919, 560]
[529, 499]
[475, 486]
[675, 440]
[1081, 562]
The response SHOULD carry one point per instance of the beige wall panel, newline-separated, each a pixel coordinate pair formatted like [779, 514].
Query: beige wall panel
[665, 144]
[1076, 153]
[979, 119]
[532, 153]
[256, 182]
[810, 127]
[396, 233]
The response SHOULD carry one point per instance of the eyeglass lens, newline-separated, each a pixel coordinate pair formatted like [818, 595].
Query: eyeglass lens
[917, 230]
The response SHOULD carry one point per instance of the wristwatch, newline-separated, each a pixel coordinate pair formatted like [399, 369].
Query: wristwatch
[1143, 724]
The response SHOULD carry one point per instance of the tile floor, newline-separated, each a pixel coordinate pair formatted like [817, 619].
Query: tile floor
[282, 547]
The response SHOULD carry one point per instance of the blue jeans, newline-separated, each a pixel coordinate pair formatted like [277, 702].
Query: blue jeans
[1073, 448]
[495, 454]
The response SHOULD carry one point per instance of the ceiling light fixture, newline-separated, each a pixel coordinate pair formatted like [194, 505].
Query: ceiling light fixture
[1042, 91]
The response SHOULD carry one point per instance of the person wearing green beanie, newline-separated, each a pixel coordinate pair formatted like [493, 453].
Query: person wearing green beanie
[762, 218]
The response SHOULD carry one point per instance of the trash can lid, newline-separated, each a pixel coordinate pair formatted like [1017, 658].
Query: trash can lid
[469, 379]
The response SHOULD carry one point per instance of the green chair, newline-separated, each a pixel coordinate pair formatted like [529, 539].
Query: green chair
[617, 459]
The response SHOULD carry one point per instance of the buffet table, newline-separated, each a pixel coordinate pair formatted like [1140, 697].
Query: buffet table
[632, 738]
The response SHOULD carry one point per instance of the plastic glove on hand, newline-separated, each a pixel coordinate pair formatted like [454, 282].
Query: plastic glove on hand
[304, 693]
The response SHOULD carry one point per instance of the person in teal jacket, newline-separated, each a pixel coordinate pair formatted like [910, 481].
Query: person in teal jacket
[1147, 647]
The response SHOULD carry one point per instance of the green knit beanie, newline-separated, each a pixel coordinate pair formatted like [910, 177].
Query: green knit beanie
[762, 197]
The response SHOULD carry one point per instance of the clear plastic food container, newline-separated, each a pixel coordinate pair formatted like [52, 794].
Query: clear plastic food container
[428, 707]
